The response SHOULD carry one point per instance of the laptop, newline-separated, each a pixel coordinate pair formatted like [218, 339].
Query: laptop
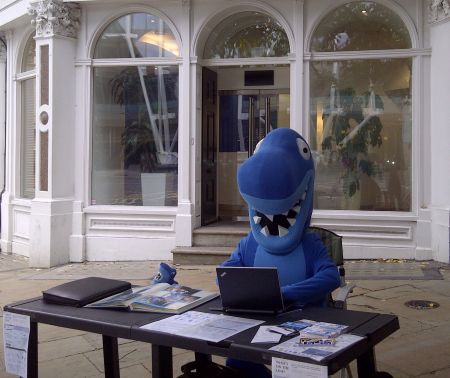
[250, 290]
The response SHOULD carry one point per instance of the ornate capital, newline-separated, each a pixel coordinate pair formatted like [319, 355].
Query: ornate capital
[53, 17]
[439, 10]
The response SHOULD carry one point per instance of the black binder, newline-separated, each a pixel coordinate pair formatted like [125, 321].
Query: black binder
[83, 291]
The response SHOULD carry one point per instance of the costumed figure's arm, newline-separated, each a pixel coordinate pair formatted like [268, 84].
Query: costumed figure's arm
[324, 279]
[244, 254]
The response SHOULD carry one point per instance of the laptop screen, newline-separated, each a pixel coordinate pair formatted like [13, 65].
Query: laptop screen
[250, 289]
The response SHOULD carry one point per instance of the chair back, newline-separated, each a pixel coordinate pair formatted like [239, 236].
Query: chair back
[332, 242]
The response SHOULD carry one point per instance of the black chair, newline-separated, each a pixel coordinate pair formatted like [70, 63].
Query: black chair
[333, 244]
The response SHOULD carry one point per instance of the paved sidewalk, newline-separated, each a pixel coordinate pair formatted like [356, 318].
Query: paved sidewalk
[421, 348]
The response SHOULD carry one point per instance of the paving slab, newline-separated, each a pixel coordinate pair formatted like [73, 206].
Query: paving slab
[438, 316]
[419, 353]
[395, 292]
[49, 333]
[77, 366]
[129, 354]
[70, 346]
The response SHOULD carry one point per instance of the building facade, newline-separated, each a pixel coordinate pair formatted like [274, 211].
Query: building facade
[123, 123]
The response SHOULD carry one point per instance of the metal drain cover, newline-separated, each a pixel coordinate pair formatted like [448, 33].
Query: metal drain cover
[422, 305]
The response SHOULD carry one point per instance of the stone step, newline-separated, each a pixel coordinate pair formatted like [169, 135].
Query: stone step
[201, 255]
[220, 236]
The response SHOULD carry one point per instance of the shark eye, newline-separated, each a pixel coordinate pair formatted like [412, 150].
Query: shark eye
[258, 145]
[303, 148]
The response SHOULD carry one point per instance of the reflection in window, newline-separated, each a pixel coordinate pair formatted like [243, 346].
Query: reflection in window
[135, 136]
[247, 35]
[28, 121]
[361, 26]
[137, 35]
[360, 120]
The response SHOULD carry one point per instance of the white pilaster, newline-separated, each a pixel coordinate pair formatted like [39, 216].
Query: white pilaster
[6, 206]
[440, 130]
[297, 112]
[184, 213]
[52, 208]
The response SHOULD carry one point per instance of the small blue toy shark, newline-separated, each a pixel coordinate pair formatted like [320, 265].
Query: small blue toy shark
[166, 274]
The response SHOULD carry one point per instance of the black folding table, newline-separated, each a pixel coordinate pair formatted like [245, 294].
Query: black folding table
[114, 324]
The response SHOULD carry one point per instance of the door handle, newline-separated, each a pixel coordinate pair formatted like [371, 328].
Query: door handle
[251, 124]
[267, 104]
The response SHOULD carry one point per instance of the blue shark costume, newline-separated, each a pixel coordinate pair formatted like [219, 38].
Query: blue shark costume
[277, 183]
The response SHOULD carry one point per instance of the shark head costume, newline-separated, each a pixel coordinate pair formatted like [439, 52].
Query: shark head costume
[277, 183]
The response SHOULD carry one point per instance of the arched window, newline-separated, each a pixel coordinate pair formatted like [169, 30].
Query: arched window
[135, 114]
[247, 35]
[360, 109]
[361, 26]
[27, 89]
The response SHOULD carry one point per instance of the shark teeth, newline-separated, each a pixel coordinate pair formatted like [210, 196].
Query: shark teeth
[279, 224]
[256, 219]
[282, 231]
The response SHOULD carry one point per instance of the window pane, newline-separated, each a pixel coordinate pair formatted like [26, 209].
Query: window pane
[29, 55]
[358, 26]
[135, 136]
[361, 134]
[137, 35]
[28, 145]
[247, 35]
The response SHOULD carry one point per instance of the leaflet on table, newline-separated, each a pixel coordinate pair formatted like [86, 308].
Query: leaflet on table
[322, 329]
[282, 368]
[203, 326]
[317, 353]
[266, 335]
[16, 332]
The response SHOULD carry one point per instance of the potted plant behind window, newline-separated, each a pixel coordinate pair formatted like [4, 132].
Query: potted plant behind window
[352, 125]
[138, 137]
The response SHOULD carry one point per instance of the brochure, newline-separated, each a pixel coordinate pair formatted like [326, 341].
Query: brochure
[201, 325]
[323, 330]
[160, 298]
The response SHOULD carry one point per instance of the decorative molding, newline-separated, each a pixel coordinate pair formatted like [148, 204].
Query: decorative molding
[55, 18]
[439, 10]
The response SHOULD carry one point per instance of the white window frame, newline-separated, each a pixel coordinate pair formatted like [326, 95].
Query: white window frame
[19, 79]
[126, 62]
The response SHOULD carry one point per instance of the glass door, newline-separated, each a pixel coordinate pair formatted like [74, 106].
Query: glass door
[245, 117]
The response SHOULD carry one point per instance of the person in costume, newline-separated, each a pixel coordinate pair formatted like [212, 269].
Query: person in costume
[277, 183]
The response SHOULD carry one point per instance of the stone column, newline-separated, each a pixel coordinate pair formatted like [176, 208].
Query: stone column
[51, 210]
[439, 18]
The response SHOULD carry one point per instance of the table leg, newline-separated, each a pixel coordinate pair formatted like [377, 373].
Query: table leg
[366, 364]
[32, 358]
[111, 357]
[162, 361]
[201, 357]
